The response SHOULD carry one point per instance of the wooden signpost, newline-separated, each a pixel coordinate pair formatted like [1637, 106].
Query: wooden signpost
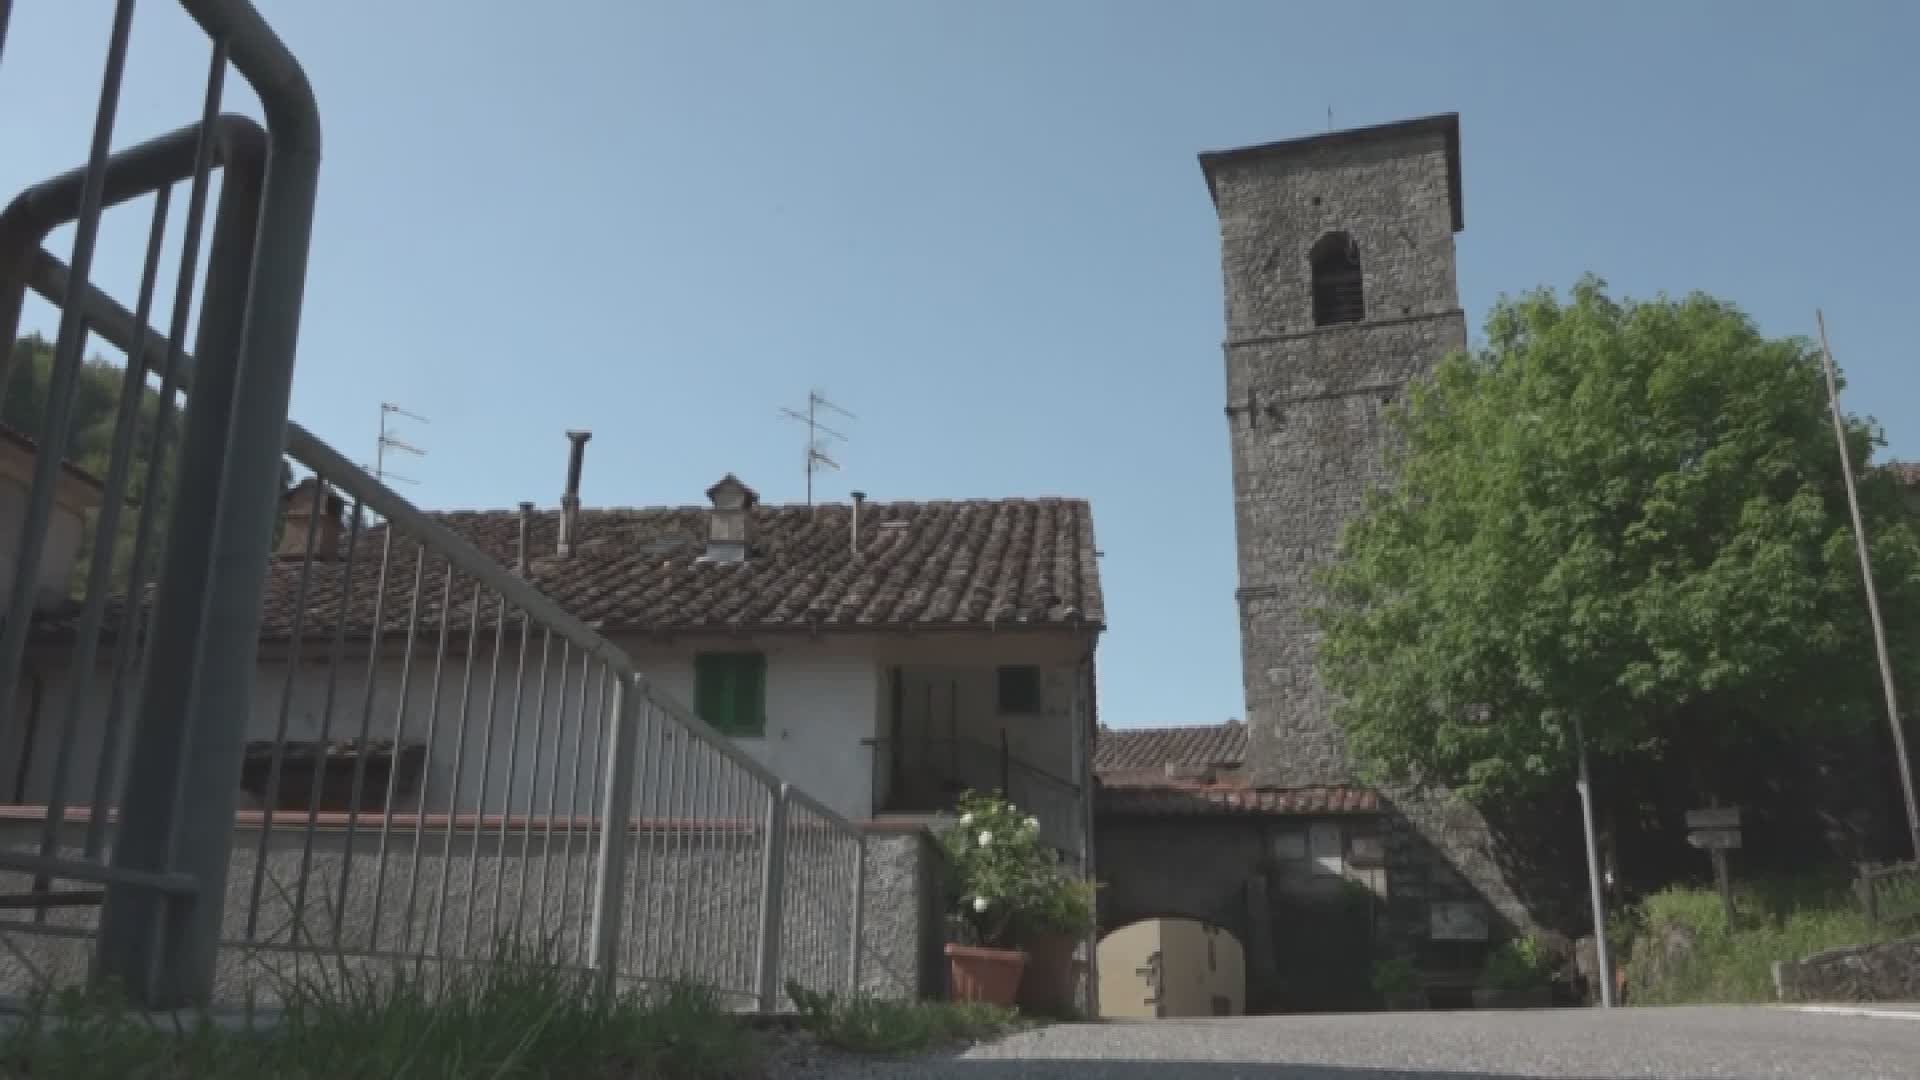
[1716, 831]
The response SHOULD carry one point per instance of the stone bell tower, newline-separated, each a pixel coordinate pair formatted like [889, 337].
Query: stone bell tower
[1337, 250]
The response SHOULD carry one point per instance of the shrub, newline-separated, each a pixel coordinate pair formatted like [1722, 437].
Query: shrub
[1395, 976]
[1688, 953]
[869, 1025]
[1519, 964]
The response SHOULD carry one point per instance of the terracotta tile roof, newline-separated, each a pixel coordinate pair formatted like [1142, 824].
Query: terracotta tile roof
[1152, 749]
[1907, 472]
[1234, 799]
[931, 565]
[1139, 772]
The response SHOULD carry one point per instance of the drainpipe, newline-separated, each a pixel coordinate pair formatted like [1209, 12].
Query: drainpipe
[526, 530]
[570, 500]
[859, 500]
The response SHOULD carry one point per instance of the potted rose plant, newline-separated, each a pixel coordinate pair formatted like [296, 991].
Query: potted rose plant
[1010, 892]
[1062, 918]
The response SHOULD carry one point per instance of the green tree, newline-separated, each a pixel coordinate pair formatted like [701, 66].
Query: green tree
[95, 408]
[1628, 512]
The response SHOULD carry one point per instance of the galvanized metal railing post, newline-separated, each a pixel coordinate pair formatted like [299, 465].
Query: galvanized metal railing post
[236, 499]
[623, 746]
[859, 912]
[773, 881]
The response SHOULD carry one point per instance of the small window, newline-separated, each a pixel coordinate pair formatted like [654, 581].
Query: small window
[1019, 689]
[730, 692]
[1339, 294]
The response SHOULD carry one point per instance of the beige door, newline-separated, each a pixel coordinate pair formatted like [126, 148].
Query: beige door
[1171, 967]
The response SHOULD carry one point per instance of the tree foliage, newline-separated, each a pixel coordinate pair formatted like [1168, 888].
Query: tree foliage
[96, 404]
[1632, 513]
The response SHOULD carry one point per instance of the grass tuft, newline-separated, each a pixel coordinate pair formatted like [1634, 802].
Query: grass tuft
[863, 1024]
[517, 1018]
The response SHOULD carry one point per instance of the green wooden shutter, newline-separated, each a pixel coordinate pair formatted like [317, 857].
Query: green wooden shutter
[750, 695]
[710, 690]
[729, 692]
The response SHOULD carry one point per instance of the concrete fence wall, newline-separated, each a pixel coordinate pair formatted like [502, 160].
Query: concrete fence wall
[691, 908]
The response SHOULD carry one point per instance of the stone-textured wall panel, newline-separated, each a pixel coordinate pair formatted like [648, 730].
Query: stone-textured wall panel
[694, 909]
[1889, 971]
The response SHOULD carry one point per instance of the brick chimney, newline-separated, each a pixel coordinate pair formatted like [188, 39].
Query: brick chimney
[297, 507]
[730, 522]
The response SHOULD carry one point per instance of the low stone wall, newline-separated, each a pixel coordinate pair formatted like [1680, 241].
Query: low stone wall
[448, 897]
[1886, 972]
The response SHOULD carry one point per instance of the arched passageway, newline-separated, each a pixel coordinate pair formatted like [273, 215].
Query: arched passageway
[1161, 967]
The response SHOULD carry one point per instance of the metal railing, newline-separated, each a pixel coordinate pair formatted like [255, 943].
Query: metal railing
[1889, 893]
[927, 775]
[439, 758]
[176, 689]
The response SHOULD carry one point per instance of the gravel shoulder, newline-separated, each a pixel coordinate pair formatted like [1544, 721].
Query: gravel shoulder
[1751, 1043]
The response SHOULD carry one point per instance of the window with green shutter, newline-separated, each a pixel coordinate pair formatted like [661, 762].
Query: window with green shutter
[730, 692]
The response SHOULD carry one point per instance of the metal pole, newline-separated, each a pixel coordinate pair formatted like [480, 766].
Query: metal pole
[1603, 956]
[859, 911]
[1873, 599]
[623, 744]
[773, 868]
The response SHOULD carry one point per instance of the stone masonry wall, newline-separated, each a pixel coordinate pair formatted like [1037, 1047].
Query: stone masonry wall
[694, 910]
[1889, 971]
[1306, 405]
[1306, 412]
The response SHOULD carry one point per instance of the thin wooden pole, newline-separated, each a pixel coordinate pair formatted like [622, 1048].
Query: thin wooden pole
[1873, 599]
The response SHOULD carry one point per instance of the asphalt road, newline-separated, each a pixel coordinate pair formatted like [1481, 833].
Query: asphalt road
[1679, 1044]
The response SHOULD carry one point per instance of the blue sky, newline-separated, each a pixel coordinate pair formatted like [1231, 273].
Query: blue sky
[980, 227]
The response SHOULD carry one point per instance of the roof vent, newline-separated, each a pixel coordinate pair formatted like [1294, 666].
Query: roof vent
[313, 521]
[730, 522]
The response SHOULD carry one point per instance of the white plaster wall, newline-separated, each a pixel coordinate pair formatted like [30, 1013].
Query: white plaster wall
[826, 697]
[822, 702]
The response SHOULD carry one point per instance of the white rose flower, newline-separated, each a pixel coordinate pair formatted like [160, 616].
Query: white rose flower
[1033, 823]
[985, 838]
[980, 904]
[966, 819]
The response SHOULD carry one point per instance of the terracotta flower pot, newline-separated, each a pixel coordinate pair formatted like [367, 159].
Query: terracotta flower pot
[987, 975]
[1047, 987]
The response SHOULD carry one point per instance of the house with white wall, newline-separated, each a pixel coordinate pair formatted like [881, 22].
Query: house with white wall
[881, 656]
[76, 494]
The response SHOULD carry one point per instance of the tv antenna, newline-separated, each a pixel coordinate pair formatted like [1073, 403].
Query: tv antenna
[817, 434]
[390, 441]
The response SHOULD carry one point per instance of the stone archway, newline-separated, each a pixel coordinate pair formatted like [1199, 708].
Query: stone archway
[1171, 967]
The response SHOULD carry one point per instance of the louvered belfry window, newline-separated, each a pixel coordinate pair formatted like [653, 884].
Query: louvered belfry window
[1339, 295]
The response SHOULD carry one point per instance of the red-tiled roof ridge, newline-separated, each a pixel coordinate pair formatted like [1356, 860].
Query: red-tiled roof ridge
[1137, 749]
[1175, 799]
[641, 570]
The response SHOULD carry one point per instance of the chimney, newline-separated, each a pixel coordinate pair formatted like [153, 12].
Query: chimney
[730, 522]
[298, 509]
[526, 532]
[570, 500]
[859, 500]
